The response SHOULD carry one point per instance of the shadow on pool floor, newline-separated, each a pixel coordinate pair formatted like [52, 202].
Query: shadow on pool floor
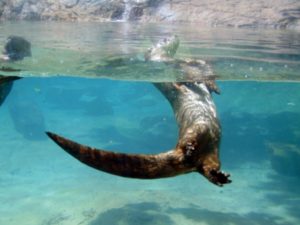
[151, 213]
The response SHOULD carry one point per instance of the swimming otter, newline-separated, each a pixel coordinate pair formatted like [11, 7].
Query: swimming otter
[6, 84]
[15, 49]
[199, 133]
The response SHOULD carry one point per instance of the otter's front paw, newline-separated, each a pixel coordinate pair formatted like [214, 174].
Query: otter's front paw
[219, 177]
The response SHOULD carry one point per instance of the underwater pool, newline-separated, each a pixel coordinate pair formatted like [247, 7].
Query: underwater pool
[88, 82]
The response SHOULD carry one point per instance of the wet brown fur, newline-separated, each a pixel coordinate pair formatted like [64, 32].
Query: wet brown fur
[6, 84]
[127, 165]
[197, 149]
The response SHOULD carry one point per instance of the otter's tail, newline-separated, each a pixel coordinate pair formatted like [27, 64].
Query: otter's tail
[121, 164]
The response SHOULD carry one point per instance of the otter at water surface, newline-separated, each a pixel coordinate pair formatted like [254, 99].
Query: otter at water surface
[197, 149]
[15, 49]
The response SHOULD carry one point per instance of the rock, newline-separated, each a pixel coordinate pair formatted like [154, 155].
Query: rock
[111, 11]
[69, 3]
[155, 3]
[118, 12]
[290, 18]
[232, 13]
[136, 13]
[31, 11]
[2, 5]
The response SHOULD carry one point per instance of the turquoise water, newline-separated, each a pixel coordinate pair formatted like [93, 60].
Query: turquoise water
[40, 184]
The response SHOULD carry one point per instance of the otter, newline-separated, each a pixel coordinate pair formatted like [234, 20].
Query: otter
[16, 48]
[6, 84]
[197, 149]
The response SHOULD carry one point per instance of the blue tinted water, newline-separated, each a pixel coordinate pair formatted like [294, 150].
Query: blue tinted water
[40, 184]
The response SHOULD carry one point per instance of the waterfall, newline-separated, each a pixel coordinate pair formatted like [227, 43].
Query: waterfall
[129, 5]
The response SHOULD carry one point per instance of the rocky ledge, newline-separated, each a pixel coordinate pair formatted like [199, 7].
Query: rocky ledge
[234, 13]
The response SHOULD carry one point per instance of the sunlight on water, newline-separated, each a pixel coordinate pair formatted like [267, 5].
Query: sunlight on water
[86, 49]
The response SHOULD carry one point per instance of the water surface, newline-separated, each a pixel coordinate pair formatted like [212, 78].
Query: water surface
[85, 49]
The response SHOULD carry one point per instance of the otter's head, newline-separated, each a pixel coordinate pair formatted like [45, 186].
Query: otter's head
[16, 48]
[163, 50]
